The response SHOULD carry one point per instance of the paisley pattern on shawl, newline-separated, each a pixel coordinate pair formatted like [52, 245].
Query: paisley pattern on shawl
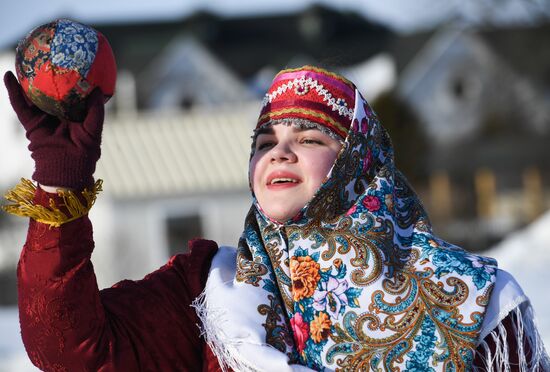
[358, 280]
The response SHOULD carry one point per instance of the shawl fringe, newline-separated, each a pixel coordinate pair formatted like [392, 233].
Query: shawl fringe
[211, 325]
[526, 333]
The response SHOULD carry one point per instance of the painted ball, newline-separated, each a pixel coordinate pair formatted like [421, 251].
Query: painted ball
[59, 64]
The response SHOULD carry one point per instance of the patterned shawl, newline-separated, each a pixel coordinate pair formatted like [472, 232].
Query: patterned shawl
[358, 280]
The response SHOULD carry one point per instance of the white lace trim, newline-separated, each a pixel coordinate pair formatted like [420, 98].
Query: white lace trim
[336, 104]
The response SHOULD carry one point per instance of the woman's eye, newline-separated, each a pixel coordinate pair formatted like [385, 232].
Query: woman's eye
[311, 141]
[264, 145]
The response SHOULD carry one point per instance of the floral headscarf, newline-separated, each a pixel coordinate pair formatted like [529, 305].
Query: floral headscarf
[358, 280]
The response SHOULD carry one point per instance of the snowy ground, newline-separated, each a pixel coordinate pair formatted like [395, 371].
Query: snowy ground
[12, 354]
[525, 254]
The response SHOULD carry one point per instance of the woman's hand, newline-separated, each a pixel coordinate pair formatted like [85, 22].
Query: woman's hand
[65, 152]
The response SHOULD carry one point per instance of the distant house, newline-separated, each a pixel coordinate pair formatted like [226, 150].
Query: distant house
[186, 74]
[190, 54]
[483, 97]
[170, 177]
[457, 81]
[476, 100]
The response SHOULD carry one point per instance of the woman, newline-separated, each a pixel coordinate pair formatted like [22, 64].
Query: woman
[337, 267]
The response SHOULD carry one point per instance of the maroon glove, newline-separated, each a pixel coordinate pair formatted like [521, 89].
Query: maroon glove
[64, 152]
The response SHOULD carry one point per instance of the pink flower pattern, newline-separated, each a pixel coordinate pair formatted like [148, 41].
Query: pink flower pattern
[372, 203]
[301, 331]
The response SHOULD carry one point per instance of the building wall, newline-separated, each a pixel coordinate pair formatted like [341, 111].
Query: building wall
[131, 235]
[15, 160]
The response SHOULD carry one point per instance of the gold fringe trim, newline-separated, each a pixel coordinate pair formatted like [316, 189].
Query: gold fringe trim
[22, 196]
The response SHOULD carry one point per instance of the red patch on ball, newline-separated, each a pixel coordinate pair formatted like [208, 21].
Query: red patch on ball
[60, 63]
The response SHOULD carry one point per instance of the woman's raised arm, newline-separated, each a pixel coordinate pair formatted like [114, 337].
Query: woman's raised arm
[67, 324]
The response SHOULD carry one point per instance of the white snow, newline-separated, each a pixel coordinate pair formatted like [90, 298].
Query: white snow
[373, 76]
[526, 255]
[12, 353]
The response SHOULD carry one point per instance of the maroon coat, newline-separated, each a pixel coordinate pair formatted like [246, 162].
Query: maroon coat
[68, 324]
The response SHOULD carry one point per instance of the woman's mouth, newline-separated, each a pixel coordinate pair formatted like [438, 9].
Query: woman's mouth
[281, 179]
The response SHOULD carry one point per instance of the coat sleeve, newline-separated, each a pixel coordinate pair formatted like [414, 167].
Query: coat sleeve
[67, 324]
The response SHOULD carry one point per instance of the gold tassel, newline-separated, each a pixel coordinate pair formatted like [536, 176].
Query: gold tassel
[22, 196]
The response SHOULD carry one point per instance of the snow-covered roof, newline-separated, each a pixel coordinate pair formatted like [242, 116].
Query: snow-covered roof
[166, 153]
[374, 76]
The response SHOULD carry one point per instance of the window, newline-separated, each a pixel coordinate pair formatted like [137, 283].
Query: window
[181, 229]
[458, 88]
[464, 88]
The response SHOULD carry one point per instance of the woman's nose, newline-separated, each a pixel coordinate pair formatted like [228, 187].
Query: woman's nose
[282, 152]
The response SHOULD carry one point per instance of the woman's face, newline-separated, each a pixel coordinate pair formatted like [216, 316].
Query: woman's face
[288, 166]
